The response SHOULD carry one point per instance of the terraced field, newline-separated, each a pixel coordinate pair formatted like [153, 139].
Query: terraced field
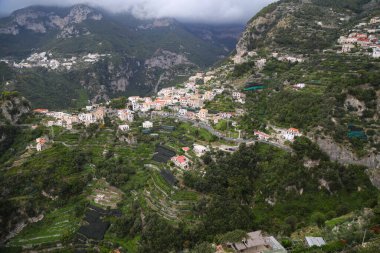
[169, 202]
[52, 228]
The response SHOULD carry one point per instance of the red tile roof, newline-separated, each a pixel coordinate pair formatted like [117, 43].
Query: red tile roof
[181, 159]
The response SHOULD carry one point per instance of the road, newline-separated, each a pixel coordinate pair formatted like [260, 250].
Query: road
[222, 136]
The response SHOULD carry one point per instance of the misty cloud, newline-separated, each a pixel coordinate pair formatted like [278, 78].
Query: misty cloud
[205, 11]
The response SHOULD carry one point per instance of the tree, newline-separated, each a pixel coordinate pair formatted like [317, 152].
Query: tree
[318, 218]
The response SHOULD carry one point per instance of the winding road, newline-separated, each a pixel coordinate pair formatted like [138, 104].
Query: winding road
[222, 136]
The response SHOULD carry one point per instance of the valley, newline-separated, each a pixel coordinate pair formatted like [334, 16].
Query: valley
[165, 146]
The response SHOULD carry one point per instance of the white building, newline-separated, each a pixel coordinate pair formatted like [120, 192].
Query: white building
[124, 128]
[376, 52]
[41, 142]
[125, 115]
[147, 124]
[182, 112]
[199, 150]
[314, 241]
[291, 133]
[347, 48]
[299, 86]
[87, 118]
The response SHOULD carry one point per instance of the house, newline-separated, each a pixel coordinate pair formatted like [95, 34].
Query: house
[202, 114]
[147, 124]
[347, 48]
[262, 136]
[100, 113]
[208, 96]
[87, 118]
[191, 115]
[186, 149]
[376, 52]
[299, 86]
[133, 99]
[374, 20]
[42, 111]
[256, 242]
[182, 112]
[199, 150]
[124, 128]
[314, 241]
[236, 95]
[125, 115]
[181, 161]
[291, 133]
[364, 42]
[195, 103]
[41, 142]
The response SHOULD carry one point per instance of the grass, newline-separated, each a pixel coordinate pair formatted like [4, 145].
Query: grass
[339, 220]
[132, 245]
[161, 183]
[52, 228]
[185, 196]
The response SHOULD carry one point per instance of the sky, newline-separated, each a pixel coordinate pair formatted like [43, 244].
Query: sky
[200, 11]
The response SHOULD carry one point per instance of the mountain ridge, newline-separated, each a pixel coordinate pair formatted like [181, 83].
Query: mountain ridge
[127, 43]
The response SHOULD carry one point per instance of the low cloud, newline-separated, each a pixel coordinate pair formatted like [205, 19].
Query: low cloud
[202, 11]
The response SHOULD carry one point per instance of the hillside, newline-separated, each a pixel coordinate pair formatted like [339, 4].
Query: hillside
[277, 145]
[97, 55]
[312, 82]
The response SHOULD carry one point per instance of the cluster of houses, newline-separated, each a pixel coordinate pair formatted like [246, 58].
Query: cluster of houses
[365, 36]
[186, 102]
[46, 60]
[287, 134]
[183, 162]
[258, 242]
[66, 120]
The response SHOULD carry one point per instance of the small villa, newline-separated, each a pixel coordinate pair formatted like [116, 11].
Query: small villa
[41, 143]
[291, 133]
[262, 136]
[199, 150]
[181, 161]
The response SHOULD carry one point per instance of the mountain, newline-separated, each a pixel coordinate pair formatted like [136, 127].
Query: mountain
[284, 146]
[303, 42]
[90, 54]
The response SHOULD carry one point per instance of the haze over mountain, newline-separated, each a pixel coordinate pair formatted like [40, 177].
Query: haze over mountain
[276, 148]
[128, 55]
[198, 11]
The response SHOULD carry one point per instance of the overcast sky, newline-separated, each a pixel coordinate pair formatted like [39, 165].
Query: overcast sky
[205, 11]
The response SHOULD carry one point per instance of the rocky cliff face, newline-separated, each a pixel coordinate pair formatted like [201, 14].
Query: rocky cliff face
[101, 55]
[41, 22]
[263, 24]
[343, 155]
[13, 108]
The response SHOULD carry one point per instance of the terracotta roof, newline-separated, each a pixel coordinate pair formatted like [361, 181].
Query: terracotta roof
[181, 159]
[261, 133]
[40, 110]
[41, 140]
[295, 130]
[185, 149]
